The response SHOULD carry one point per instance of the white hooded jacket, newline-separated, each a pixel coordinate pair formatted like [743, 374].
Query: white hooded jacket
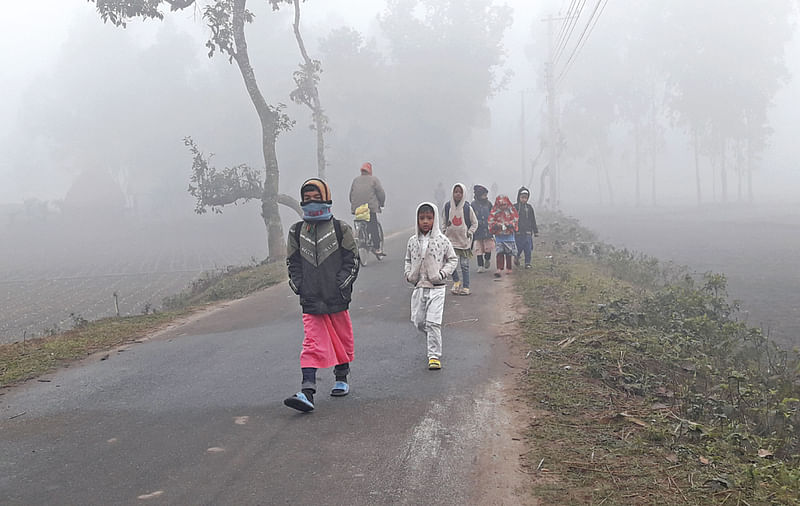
[455, 228]
[429, 258]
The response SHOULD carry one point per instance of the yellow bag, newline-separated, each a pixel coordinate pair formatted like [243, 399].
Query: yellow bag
[362, 212]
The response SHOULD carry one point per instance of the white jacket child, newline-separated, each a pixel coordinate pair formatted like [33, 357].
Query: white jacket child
[430, 258]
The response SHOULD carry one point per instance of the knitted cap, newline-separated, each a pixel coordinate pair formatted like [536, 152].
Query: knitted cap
[316, 184]
[367, 167]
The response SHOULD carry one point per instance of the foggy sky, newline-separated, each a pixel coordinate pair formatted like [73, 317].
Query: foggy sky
[43, 28]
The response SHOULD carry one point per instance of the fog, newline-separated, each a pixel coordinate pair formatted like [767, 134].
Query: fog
[637, 117]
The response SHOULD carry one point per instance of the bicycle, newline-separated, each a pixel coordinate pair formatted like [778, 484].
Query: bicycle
[364, 240]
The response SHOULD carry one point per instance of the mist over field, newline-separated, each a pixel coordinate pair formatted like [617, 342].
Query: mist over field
[668, 127]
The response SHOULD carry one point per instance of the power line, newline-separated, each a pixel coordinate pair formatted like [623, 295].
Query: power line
[587, 31]
[573, 22]
[567, 19]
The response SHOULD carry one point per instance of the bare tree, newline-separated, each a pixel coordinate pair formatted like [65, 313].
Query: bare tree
[226, 19]
[307, 91]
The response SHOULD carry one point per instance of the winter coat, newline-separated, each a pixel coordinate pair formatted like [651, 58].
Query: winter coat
[322, 269]
[527, 218]
[503, 220]
[429, 267]
[482, 210]
[455, 228]
[367, 189]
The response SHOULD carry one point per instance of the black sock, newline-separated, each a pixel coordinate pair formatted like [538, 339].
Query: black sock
[309, 393]
[340, 372]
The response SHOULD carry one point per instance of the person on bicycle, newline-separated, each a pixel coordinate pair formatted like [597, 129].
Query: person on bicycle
[367, 189]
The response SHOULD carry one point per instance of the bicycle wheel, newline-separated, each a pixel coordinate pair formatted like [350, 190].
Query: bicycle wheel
[380, 242]
[362, 241]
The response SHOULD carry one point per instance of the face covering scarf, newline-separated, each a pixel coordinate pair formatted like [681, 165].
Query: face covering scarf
[316, 211]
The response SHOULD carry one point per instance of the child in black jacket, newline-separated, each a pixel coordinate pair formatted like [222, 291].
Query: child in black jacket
[323, 264]
[527, 227]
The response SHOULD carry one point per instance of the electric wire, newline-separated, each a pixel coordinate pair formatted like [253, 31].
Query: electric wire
[573, 21]
[563, 31]
[587, 31]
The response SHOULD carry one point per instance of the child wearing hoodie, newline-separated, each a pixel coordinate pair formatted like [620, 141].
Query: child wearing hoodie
[459, 224]
[430, 258]
[503, 224]
[527, 229]
[483, 244]
[323, 264]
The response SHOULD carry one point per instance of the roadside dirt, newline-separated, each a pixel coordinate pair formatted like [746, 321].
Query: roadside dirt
[502, 476]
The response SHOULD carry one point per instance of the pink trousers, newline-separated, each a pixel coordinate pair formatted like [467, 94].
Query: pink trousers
[328, 340]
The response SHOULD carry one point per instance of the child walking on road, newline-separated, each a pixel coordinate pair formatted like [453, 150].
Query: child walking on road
[460, 223]
[430, 258]
[323, 264]
[527, 228]
[483, 244]
[503, 224]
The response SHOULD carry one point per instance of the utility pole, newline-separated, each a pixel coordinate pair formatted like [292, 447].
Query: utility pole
[522, 140]
[552, 112]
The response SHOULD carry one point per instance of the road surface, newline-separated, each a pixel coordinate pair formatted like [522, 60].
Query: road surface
[194, 415]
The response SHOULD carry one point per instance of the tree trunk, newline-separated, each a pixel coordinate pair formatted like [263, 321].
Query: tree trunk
[739, 170]
[697, 166]
[542, 183]
[723, 176]
[749, 172]
[636, 162]
[316, 105]
[654, 143]
[713, 178]
[276, 243]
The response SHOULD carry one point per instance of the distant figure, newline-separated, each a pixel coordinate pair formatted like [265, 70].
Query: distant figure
[367, 189]
[503, 224]
[494, 190]
[483, 242]
[430, 258]
[527, 229]
[439, 195]
[459, 224]
[322, 273]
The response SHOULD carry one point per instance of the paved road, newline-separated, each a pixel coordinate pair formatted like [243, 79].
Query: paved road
[195, 415]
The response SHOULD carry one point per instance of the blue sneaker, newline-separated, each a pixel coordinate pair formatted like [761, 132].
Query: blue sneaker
[300, 402]
[340, 389]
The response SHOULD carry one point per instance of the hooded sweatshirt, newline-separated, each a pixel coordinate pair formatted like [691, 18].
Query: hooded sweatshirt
[503, 220]
[456, 226]
[430, 257]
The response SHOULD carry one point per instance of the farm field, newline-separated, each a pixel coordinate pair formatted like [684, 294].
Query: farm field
[50, 271]
[756, 247]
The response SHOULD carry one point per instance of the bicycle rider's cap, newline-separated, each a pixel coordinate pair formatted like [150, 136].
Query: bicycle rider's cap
[316, 183]
[366, 168]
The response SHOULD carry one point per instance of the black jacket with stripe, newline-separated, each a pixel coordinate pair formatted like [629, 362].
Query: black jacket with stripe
[323, 265]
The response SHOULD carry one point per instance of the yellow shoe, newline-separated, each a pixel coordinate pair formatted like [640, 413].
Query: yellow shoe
[434, 364]
[456, 290]
[464, 291]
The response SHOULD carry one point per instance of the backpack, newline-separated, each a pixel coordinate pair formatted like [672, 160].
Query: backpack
[337, 227]
[467, 213]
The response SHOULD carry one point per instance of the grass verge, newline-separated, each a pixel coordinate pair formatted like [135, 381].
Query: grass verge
[645, 389]
[22, 361]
